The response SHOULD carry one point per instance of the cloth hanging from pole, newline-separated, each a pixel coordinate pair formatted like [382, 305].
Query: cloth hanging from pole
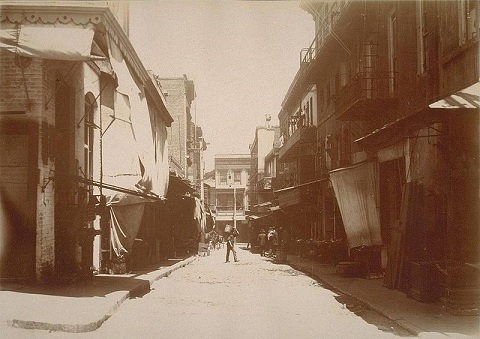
[126, 212]
[150, 134]
[355, 192]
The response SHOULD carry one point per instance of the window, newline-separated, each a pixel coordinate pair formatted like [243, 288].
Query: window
[370, 66]
[88, 133]
[392, 51]
[321, 105]
[422, 36]
[237, 177]
[311, 111]
[306, 109]
[222, 177]
[467, 20]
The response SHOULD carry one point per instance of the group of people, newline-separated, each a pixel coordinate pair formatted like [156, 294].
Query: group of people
[268, 242]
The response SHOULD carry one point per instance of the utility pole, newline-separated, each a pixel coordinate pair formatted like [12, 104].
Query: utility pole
[202, 192]
[232, 184]
[234, 207]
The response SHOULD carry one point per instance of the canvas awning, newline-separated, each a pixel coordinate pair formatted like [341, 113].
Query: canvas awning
[355, 192]
[459, 105]
[468, 97]
[256, 217]
[126, 212]
[293, 195]
[49, 41]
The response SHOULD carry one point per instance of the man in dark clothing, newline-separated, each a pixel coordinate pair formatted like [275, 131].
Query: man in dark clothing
[230, 247]
[262, 240]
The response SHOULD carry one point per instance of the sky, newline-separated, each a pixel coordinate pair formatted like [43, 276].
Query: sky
[241, 55]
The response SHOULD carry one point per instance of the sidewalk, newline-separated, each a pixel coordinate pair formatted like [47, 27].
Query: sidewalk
[415, 316]
[80, 307]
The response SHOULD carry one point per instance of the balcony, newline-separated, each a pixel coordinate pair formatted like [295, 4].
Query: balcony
[228, 211]
[299, 144]
[366, 95]
[265, 184]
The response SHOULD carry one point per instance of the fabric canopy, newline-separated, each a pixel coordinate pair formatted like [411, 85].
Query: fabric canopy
[49, 41]
[135, 154]
[199, 216]
[355, 192]
[467, 98]
[126, 212]
[150, 134]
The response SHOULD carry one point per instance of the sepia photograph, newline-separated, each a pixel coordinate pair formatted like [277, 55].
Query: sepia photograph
[239, 169]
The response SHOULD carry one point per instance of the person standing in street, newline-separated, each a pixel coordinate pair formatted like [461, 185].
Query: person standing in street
[231, 245]
[262, 241]
[273, 242]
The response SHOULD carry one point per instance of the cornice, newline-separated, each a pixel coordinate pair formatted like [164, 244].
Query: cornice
[46, 13]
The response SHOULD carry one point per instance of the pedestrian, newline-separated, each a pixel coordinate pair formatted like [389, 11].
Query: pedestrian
[230, 246]
[262, 240]
[250, 237]
[273, 242]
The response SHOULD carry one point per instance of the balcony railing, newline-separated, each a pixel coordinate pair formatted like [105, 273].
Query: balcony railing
[228, 210]
[265, 184]
[364, 95]
[308, 56]
[298, 144]
[325, 30]
[286, 180]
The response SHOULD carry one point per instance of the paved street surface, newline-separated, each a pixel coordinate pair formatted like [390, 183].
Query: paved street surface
[253, 298]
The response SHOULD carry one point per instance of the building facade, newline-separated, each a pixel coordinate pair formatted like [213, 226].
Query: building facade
[231, 200]
[394, 138]
[179, 94]
[66, 118]
[260, 184]
[262, 177]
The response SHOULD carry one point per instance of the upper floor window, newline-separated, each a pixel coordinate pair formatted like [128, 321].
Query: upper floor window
[311, 111]
[422, 37]
[392, 51]
[237, 177]
[88, 136]
[467, 20]
[222, 177]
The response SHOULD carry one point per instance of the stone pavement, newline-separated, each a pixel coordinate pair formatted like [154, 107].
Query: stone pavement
[422, 319]
[79, 307]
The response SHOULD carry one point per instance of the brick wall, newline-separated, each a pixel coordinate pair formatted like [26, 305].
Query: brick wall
[176, 105]
[24, 93]
[45, 244]
[13, 96]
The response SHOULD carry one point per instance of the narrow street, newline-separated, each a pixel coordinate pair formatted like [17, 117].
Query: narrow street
[253, 298]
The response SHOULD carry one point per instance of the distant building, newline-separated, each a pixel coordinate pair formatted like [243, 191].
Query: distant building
[264, 154]
[260, 185]
[179, 94]
[231, 200]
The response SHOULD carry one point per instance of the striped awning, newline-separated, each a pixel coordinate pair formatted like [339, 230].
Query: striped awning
[54, 41]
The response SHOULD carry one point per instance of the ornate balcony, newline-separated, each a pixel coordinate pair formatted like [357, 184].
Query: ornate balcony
[366, 95]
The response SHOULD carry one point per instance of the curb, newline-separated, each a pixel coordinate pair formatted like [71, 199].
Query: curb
[141, 289]
[400, 322]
